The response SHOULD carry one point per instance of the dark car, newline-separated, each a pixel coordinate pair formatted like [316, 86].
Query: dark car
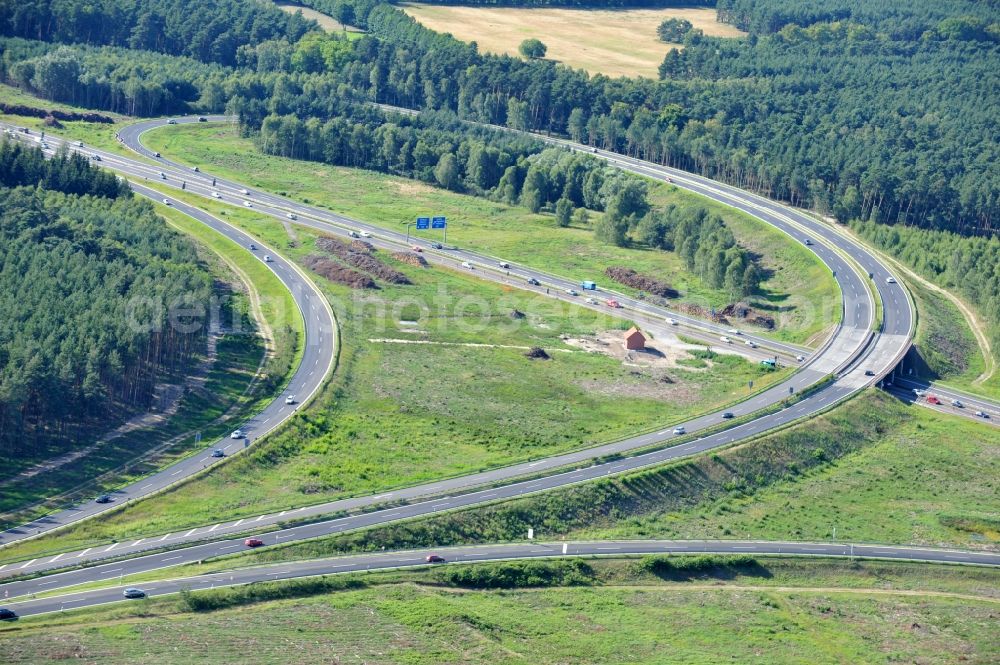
[727, 415]
[104, 498]
[7, 615]
[134, 593]
[435, 558]
[253, 542]
[533, 281]
[218, 452]
[868, 372]
[202, 118]
[437, 245]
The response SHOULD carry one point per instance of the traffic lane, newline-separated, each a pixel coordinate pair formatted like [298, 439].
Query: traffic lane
[930, 388]
[512, 551]
[133, 134]
[992, 417]
[316, 355]
[427, 507]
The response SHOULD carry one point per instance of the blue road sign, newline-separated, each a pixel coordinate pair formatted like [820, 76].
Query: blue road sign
[423, 222]
[438, 223]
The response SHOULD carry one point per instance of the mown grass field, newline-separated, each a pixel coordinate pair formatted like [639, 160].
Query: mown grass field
[398, 414]
[615, 42]
[800, 293]
[777, 611]
[229, 386]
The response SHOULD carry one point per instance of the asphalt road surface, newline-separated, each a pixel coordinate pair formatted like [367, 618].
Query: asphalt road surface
[26, 606]
[849, 351]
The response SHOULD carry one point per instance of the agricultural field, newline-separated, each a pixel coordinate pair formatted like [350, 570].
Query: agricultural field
[614, 42]
[709, 610]
[798, 290]
[464, 398]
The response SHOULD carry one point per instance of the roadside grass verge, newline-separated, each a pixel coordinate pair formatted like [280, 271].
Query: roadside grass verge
[398, 414]
[731, 608]
[799, 292]
[230, 390]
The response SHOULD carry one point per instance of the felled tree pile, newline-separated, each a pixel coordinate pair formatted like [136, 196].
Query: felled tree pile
[362, 259]
[745, 312]
[412, 258]
[630, 277]
[335, 272]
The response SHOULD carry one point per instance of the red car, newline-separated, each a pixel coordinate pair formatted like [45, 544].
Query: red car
[435, 558]
[417, 248]
[253, 542]
[931, 399]
[614, 304]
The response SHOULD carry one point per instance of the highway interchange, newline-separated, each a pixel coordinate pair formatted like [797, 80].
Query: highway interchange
[854, 347]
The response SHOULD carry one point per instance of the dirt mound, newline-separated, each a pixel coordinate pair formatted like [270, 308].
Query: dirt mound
[335, 272]
[412, 258]
[536, 353]
[744, 312]
[31, 111]
[362, 259]
[362, 246]
[630, 277]
[696, 310]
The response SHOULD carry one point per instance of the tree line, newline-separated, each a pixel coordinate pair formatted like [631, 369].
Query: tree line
[70, 173]
[74, 354]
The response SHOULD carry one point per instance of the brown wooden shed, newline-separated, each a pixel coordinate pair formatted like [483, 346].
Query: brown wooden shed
[634, 339]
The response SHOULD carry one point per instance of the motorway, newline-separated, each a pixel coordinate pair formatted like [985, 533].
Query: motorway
[465, 554]
[852, 348]
[317, 361]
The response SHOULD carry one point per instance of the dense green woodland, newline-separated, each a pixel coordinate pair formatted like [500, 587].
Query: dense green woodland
[83, 339]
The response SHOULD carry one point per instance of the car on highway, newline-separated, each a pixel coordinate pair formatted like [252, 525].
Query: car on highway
[196, 169]
[353, 234]
[253, 247]
[132, 592]
[45, 146]
[163, 176]
[7, 614]
[365, 234]
[218, 452]
[800, 358]
[808, 242]
[727, 415]
[434, 558]
[290, 399]
[171, 122]
[752, 344]
[613, 304]
[216, 195]
[591, 301]
[734, 331]
[534, 282]
[437, 245]
[156, 154]
[202, 118]
[890, 280]
[96, 157]
[672, 322]
[253, 542]
[79, 144]
[504, 265]
[982, 414]
[244, 191]
[237, 434]
[572, 292]
[416, 248]
[680, 430]
[725, 339]
[292, 215]
[466, 264]
[918, 392]
[166, 202]
[267, 258]
[104, 498]
[931, 399]
[248, 204]
[957, 404]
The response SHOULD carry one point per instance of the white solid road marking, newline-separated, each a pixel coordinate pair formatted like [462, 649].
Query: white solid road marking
[145, 486]
[84, 552]
[190, 532]
[229, 547]
[137, 542]
[171, 558]
[29, 563]
[214, 528]
[176, 472]
[55, 558]
[260, 518]
[236, 523]
[113, 545]
[165, 537]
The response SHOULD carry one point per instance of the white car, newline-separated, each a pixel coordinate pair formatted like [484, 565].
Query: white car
[79, 144]
[196, 169]
[237, 434]
[292, 215]
[800, 358]
[166, 202]
[244, 191]
[466, 264]
[290, 399]
[752, 344]
[957, 404]
[672, 322]
[918, 392]
[267, 258]
[734, 331]
[572, 292]
[365, 234]
[171, 122]
[216, 195]
[248, 204]
[591, 301]
[725, 339]
[890, 280]
[680, 430]
[163, 176]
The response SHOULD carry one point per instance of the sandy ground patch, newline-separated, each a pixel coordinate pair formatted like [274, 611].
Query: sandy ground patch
[328, 23]
[612, 42]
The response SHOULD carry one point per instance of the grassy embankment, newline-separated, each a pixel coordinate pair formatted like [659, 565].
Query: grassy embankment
[683, 610]
[398, 414]
[618, 42]
[874, 469]
[229, 391]
[800, 292]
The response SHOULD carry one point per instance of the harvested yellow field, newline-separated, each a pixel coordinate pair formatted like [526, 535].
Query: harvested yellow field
[613, 42]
